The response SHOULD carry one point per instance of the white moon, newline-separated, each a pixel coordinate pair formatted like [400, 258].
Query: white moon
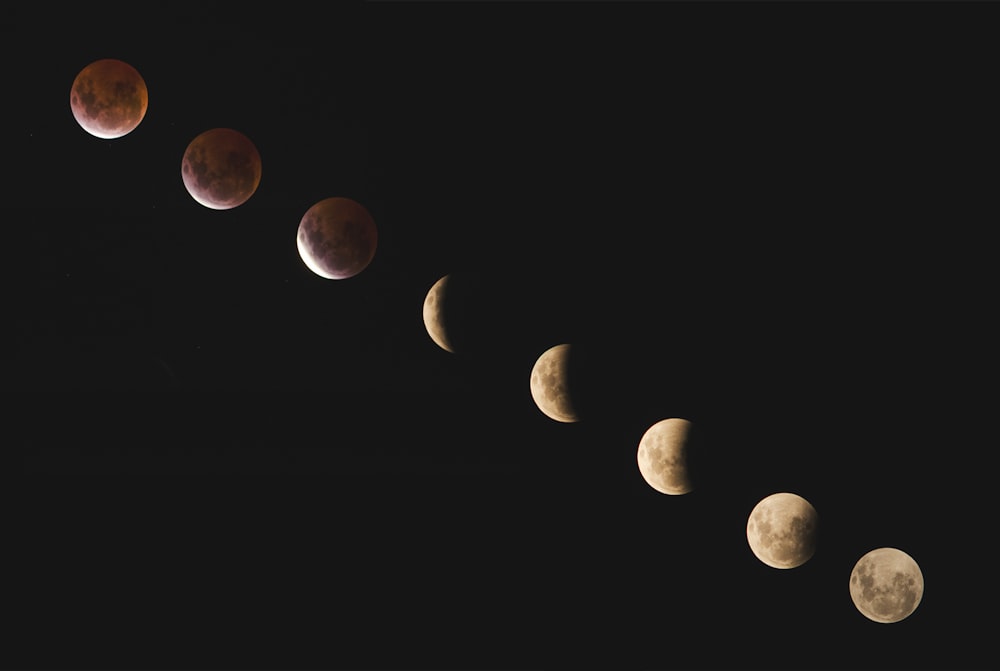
[550, 386]
[662, 456]
[782, 530]
[886, 585]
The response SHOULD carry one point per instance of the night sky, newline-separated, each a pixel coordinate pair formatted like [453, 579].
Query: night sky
[769, 219]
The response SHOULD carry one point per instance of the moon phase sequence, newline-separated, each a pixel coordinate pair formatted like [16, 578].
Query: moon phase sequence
[221, 168]
[109, 98]
[662, 456]
[550, 385]
[337, 238]
[886, 585]
[782, 530]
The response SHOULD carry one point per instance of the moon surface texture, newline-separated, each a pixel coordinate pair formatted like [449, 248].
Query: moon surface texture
[886, 585]
[782, 530]
[337, 238]
[550, 384]
[221, 168]
[109, 98]
[662, 456]
[434, 318]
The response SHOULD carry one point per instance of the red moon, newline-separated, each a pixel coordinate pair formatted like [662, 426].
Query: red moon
[108, 98]
[221, 168]
[337, 238]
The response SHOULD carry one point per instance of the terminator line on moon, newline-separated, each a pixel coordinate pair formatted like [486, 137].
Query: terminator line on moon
[109, 98]
[337, 238]
[550, 385]
[221, 168]
[782, 530]
[662, 456]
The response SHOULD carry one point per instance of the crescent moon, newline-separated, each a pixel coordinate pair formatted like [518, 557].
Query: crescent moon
[433, 314]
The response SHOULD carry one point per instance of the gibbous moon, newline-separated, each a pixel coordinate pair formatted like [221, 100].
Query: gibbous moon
[221, 168]
[109, 98]
[886, 585]
[782, 530]
[550, 387]
[662, 456]
[434, 314]
[337, 238]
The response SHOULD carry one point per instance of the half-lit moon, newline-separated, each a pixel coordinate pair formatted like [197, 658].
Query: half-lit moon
[782, 530]
[109, 98]
[550, 386]
[221, 168]
[663, 458]
[337, 238]
[887, 585]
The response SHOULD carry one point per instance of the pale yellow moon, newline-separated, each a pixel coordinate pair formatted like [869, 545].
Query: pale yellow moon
[550, 385]
[662, 456]
[886, 585]
[108, 98]
[782, 530]
[433, 314]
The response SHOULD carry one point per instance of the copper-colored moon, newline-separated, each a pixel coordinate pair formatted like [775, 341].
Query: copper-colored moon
[433, 314]
[886, 585]
[663, 458]
[337, 238]
[782, 530]
[221, 168]
[550, 387]
[109, 98]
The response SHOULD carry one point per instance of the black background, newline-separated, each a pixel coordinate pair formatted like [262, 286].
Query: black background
[771, 219]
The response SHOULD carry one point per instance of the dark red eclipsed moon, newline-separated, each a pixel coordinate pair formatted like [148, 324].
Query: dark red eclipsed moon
[337, 238]
[221, 168]
[109, 98]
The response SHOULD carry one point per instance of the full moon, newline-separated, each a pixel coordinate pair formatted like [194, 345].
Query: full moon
[662, 456]
[550, 387]
[782, 530]
[886, 585]
[221, 168]
[337, 238]
[108, 98]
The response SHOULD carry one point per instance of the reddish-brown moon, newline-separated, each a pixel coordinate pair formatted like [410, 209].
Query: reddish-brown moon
[337, 238]
[221, 168]
[109, 98]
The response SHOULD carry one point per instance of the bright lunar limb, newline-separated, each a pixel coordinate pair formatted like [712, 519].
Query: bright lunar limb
[108, 98]
[782, 530]
[434, 314]
[221, 168]
[663, 458]
[550, 384]
[886, 585]
[337, 238]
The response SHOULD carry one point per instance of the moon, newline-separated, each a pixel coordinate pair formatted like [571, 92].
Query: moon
[337, 238]
[550, 387]
[782, 530]
[221, 168]
[886, 585]
[434, 314]
[109, 98]
[662, 456]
